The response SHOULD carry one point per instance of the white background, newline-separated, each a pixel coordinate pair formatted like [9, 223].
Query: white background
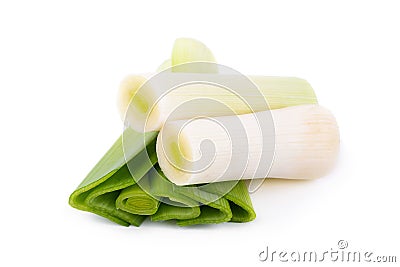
[60, 66]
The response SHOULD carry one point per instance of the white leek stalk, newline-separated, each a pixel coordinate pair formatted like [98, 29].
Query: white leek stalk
[304, 145]
[147, 103]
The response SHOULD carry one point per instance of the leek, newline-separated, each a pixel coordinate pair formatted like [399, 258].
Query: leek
[148, 101]
[127, 185]
[304, 143]
[111, 191]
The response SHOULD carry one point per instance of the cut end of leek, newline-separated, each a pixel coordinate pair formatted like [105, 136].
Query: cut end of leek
[127, 90]
[306, 146]
[188, 50]
[175, 153]
[136, 104]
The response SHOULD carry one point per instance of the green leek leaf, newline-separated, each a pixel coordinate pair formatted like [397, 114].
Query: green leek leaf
[110, 190]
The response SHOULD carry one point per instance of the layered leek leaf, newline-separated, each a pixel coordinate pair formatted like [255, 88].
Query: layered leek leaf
[114, 190]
